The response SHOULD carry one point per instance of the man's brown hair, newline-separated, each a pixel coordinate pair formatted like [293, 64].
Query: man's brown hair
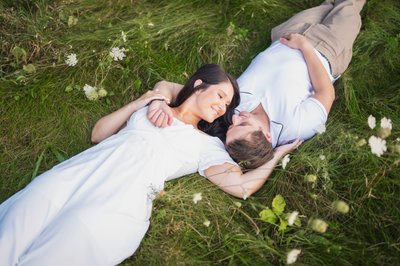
[251, 153]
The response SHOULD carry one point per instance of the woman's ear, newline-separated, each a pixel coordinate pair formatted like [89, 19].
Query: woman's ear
[197, 82]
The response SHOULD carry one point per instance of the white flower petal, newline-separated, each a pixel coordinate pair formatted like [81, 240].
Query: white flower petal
[285, 161]
[207, 223]
[117, 53]
[386, 123]
[292, 256]
[71, 60]
[246, 194]
[378, 145]
[293, 217]
[197, 197]
[371, 121]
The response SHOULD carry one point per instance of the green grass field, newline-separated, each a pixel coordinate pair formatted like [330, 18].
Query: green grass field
[46, 118]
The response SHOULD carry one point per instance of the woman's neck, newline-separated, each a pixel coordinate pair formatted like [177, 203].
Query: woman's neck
[184, 113]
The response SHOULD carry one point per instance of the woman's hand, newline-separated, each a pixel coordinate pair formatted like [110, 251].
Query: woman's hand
[296, 41]
[160, 114]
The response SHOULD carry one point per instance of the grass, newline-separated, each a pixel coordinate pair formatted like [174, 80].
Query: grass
[42, 124]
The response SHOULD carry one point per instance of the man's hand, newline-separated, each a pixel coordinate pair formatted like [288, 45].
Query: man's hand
[282, 150]
[160, 114]
[296, 41]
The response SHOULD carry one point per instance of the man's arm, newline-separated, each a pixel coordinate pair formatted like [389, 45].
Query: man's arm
[324, 90]
[232, 180]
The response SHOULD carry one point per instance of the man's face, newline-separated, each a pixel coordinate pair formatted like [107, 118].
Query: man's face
[243, 125]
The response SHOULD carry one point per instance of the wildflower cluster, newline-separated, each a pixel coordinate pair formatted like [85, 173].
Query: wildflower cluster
[93, 93]
[117, 53]
[378, 143]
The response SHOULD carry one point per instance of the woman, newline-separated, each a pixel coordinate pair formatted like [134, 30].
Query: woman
[94, 208]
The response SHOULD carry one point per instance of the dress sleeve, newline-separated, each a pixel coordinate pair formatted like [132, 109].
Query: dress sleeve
[313, 117]
[214, 153]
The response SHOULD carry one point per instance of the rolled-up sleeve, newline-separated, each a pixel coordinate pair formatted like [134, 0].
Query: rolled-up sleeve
[312, 118]
[213, 154]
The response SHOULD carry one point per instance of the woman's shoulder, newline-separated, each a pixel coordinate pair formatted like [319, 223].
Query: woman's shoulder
[138, 115]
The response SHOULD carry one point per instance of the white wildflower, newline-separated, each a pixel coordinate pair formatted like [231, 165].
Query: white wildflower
[322, 157]
[197, 197]
[341, 206]
[246, 194]
[321, 129]
[238, 204]
[292, 256]
[378, 145]
[386, 128]
[91, 92]
[150, 24]
[285, 161]
[71, 60]
[313, 196]
[207, 223]
[293, 217]
[310, 178]
[371, 121]
[386, 123]
[117, 53]
[361, 142]
[319, 225]
[102, 92]
[123, 35]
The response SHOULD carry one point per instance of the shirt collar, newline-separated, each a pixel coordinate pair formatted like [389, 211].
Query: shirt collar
[276, 130]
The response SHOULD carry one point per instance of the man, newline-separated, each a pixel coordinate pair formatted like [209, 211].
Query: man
[287, 91]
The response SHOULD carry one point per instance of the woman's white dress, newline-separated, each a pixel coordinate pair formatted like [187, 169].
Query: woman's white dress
[94, 208]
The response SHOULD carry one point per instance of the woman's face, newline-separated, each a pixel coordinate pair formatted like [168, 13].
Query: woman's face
[213, 101]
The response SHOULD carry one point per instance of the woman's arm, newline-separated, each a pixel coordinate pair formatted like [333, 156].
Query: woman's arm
[112, 123]
[169, 89]
[324, 90]
[232, 180]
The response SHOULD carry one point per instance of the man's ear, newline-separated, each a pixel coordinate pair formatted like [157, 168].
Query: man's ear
[197, 82]
[268, 136]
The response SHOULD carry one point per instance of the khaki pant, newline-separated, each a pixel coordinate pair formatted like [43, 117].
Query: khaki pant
[330, 27]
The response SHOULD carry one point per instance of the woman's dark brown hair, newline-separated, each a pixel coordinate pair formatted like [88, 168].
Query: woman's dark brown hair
[211, 74]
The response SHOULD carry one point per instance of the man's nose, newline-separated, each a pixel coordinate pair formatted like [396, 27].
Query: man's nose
[244, 113]
[235, 119]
